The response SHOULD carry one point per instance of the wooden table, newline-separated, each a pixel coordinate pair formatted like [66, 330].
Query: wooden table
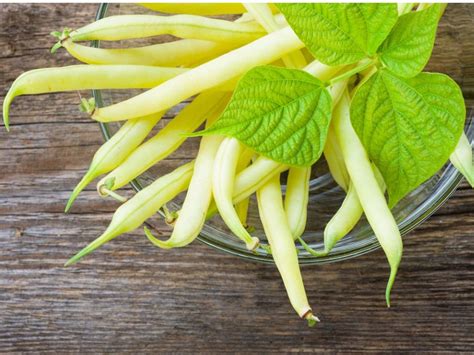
[131, 297]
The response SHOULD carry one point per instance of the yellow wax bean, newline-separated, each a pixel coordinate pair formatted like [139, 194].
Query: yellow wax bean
[370, 194]
[86, 77]
[122, 27]
[142, 206]
[211, 74]
[344, 220]
[272, 215]
[223, 178]
[185, 52]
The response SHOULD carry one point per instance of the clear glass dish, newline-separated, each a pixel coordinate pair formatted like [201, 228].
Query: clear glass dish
[453, 54]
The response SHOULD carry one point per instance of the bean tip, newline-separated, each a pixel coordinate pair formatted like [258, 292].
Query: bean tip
[87, 178]
[155, 241]
[108, 235]
[6, 111]
[79, 256]
[61, 37]
[387, 297]
[388, 290]
[70, 262]
[311, 319]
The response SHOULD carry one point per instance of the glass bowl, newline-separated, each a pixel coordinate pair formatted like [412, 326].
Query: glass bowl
[453, 54]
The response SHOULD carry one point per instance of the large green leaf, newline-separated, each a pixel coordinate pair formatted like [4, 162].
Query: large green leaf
[282, 114]
[409, 127]
[408, 47]
[339, 34]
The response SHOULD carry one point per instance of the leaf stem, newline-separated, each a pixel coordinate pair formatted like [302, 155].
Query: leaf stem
[364, 65]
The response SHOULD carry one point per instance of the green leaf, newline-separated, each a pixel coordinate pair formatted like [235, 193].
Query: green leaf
[280, 113]
[408, 47]
[339, 34]
[409, 127]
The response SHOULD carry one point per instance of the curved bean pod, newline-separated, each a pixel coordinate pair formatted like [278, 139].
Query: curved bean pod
[82, 77]
[370, 194]
[140, 207]
[120, 27]
[223, 178]
[206, 76]
[185, 52]
[461, 158]
[192, 215]
[344, 220]
[272, 215]
[116, 150]
[166, 140]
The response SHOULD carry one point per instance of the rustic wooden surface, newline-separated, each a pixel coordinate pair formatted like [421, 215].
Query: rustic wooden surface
[130, 297]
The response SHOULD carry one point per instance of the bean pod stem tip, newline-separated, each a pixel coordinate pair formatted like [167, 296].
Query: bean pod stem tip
[61, 37]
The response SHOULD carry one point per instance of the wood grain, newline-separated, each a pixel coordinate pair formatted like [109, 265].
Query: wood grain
[131, 297]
